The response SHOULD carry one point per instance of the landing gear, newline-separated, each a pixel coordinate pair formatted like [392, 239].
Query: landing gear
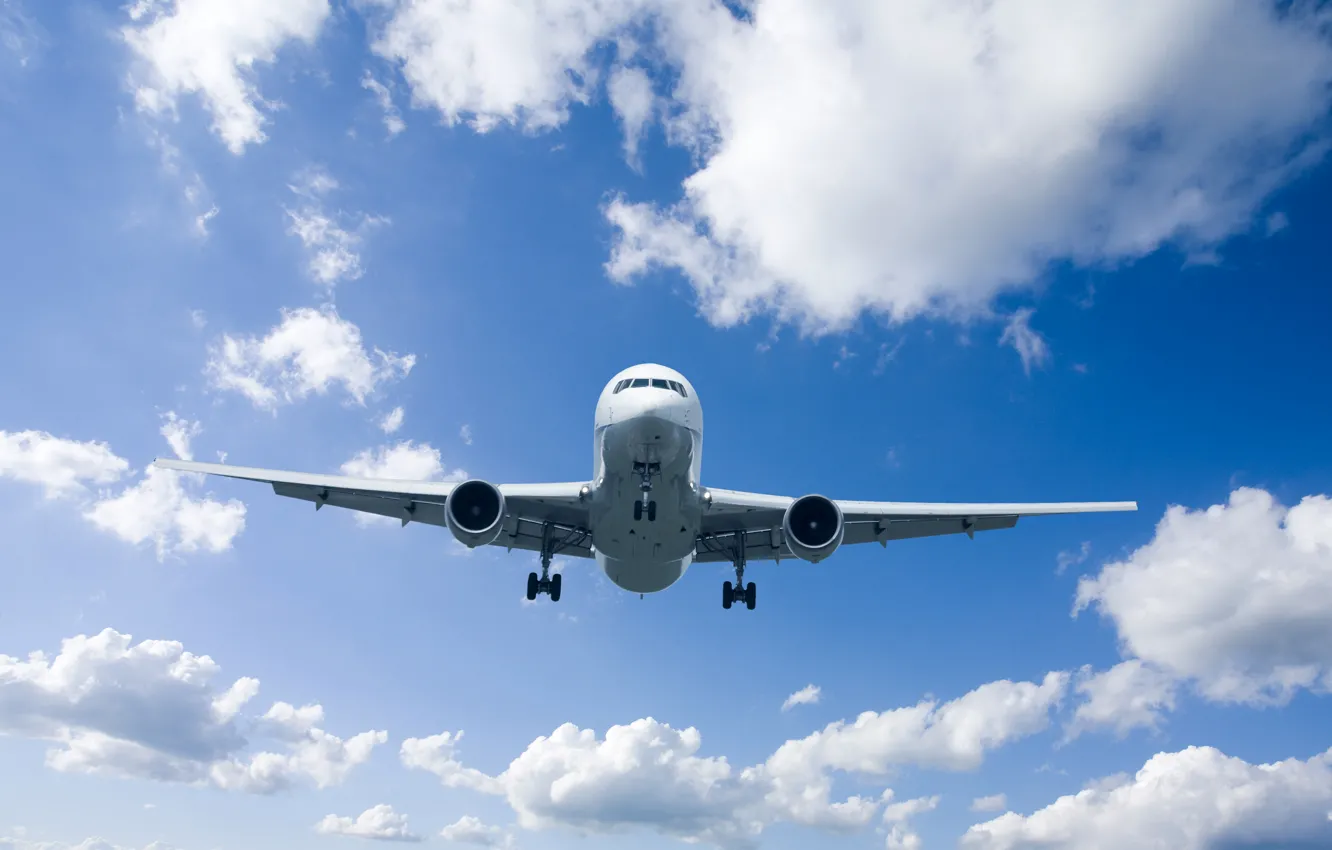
[739, 592]
[645, 505]
[551, 585]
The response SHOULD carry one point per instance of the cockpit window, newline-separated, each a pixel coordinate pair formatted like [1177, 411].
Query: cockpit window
[660, 384]
[621, 385]
[639, 382]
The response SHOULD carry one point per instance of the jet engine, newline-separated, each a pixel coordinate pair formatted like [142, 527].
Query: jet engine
[474, 512]
[813, 527]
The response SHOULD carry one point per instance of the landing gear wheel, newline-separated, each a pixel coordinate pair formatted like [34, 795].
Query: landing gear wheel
[751, 596]
[638, 511]
[728, 595]
[531, 586]
[556, 581]
[652, 511]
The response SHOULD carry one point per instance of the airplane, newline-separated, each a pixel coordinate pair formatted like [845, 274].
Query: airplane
[645, 515]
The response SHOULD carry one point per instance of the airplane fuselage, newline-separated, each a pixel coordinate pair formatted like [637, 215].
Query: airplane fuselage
[646, 434]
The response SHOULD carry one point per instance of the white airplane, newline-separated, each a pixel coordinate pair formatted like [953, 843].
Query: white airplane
[645, 515]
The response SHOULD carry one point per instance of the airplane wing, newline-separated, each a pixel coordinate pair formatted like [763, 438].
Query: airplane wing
[530, 508]
[756, 519]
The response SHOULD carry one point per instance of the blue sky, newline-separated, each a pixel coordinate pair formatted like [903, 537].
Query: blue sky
[891, 272]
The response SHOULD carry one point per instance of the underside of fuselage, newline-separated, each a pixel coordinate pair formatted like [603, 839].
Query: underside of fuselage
[646, 510]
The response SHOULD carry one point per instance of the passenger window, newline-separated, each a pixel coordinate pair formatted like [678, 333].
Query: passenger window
[660, 384]
[639, 382]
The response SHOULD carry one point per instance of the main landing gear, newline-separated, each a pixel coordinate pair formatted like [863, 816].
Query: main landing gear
[645, 505]
[547, 583]
[739, 592]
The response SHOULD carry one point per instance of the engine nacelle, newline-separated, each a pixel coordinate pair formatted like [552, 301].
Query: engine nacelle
[813, 527]
[474, 512]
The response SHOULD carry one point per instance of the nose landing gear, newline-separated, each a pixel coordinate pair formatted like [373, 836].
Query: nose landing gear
[645, 505]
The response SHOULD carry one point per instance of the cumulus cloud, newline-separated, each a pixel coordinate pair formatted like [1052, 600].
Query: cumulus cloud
[631, 96]
[391, 421]
[491, 63]
[158, 509]
[62, 467]
[19, 843]
[808, 695]
[933, 160]
[648, 774]
[403, 461]
[1127, 696]
[942, 156]
[992, 803]
[308, 352]
[1068, 559]
[1196, 799]
[897, 817]
[465, 434]
[210, 48]
[379, 822]
[333, 249]
[1233, 598]
[152, 710]
[471, 830]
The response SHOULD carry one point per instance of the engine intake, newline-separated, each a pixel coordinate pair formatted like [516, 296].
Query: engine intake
[813, 527]
[474, 512]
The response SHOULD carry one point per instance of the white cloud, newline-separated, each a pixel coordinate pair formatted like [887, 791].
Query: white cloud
[1028, 343]
[1196, 799]
[393, 122]
[62, 467]
[179, 432]
[992, 803]
[1068, 559]
[647, 774]
[18, 842]
[471, 830]
[1277, 222]
[1127, 696]
[437, 754]
[210, 48]
[896, 817]
[808, 695]
[391, 421]
[465, 434]
[158, 509]
[630, 92]
[941, 156]
[310, 351]
[379, 822]
[1234, 597]
[151, 710]
[333, 249]
[489, 63]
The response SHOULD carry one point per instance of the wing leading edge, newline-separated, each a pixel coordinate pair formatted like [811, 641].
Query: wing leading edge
[529, 508]
[757, 518]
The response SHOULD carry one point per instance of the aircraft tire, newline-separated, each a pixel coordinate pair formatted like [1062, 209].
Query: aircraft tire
[751, 596]
[531, 586]
[727, 595]
[556, 582]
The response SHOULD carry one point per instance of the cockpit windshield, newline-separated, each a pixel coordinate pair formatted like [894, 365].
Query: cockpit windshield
[655, 383]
